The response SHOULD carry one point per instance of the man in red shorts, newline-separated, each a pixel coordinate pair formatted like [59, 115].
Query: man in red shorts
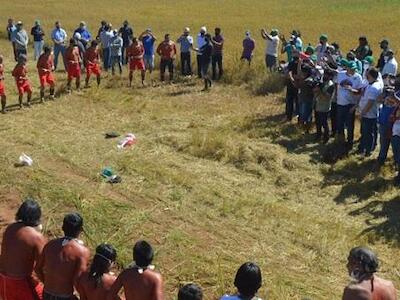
[167, 51]
[45, 66]
[23, 85]
[2, 88]
[135, 54]
[91, 59]
[73, 60]
[21, 247]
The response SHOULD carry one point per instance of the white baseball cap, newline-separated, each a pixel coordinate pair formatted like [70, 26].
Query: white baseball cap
[203, 29]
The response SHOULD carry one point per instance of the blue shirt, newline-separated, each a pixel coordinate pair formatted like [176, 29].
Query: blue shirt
[384, 114]
[85, 34]
[186, 43]
[59, 35]
[148, 44]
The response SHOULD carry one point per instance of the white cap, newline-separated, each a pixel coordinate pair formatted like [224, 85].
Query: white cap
[203, 29]
[77, 36]
[187, 29]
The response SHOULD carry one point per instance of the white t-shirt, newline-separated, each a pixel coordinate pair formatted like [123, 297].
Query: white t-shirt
[235, 297]
[344, 96]
[371, 93]
[390, 67]
[396, 128]
[272, 46]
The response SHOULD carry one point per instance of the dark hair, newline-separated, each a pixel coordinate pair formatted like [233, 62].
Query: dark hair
[248, 279]
[46, 49]
[72, 41]
[29, 213]
[143, 254]
[217, 29]
[72, 225]
[190, 291]
[366, 258]
[350, 56]
[166, 35]
[105, 255]
[94, 43]
[373, 72]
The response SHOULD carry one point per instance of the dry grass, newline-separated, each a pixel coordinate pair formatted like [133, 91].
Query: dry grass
[216, 178]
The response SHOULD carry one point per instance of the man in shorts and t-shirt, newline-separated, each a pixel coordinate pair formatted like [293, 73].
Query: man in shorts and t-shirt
[148, 39]
[73, 60]
[135, 53]
[271, 52]
[2, 88]
[23, 85]
[92, 63]
[45, 66]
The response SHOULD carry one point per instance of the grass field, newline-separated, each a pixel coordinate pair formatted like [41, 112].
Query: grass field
[216, 178]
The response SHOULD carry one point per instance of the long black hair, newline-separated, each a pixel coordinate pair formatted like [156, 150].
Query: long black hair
[104, 257]
[29, 213]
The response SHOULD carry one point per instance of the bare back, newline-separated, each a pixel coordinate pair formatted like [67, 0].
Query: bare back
[380, 290]
[145, 286]
[20, 249]
[89, 291]
[61, 264]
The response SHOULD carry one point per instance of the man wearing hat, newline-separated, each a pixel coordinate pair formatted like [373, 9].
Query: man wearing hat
[20, 39]
[271, 51]
[38, 34]
[148, 38]
[201, 41]
[86, 37]
[390, 66]
[322, 47]
[186, 43]
[384, 45]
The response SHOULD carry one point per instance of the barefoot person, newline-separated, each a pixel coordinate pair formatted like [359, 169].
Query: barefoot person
[140, 281]
[73, 60]
[96, 283]
[23, 85]
[63, 261]
[365, 285]
[22, 245]
[92, 63]
[167, 51]
[45, 66]
[3, 97]
[135, 54]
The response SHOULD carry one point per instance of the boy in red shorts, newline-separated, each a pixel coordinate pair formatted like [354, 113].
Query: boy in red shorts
[135, 54]
[91, 59]
[2, 88]
[45, 68]
[73, 60]
[23, 85]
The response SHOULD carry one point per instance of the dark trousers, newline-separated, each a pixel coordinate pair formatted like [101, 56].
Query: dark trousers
[321, 121]
[368, 135]
[124, 58]
[345, 119]
[106, 58]
[216, 60]
[167, 63]
[20, 51]
[116, 60]
[186, 64]
[396, 150]
[292, 101]
[385, 135]
[47, 296]
[333, 115]
[198, 58]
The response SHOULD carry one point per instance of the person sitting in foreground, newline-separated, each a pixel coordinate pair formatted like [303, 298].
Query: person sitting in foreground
[247, 281]
[96, 283]
[140, 281]
[22, 245]
[190, 291]
[362, 265]
[63, 261]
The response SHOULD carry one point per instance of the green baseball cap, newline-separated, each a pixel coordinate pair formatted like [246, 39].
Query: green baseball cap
[314, 57]
[352, 65]
[323, 37]
[274, 32]
[344, 62]
[369, 59]
[310, 50]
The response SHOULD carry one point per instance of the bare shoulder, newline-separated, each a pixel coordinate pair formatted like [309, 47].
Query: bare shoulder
[356, 292]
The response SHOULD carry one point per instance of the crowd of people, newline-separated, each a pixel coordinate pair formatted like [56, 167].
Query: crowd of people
[32, 268]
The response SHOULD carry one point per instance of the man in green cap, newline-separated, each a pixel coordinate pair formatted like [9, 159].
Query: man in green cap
[38, 42]
[322, 47]
[271, 52]
[368, 62]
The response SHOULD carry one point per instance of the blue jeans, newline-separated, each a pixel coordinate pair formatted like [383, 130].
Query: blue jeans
[38, 46]
[345, 119]
[305, 112]
[385, 136]
[106, 58]
[368, 135]
[396, 150]
[57, 50]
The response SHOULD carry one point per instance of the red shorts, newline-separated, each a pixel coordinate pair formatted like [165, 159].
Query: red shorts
[93, 69]
[136, 64]
[2, 88]
[24, 86]
[74, 71]
[46, 78]
[19, 288]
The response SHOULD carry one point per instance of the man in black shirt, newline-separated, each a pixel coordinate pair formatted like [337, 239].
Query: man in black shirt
[37, 33]
[127, 35]
[205, 53]
[292, 102]
[381, 61]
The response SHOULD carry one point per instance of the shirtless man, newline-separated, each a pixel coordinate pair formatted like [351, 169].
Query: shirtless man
[45, 66]
[96, 283]
[63, 260]
[140, 281]
[92, 59]
[22, 245]
[362, 264]
[73, 60]
[135, 56]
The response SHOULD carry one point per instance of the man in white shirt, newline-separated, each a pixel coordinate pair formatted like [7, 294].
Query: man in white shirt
[349, 83]
[201, 41]
[369, 112]
[390, 66]
[271, 52]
